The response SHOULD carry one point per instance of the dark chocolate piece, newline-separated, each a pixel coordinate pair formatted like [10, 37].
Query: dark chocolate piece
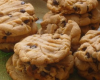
[90, 70]
[33, 46]
[34, 67]
[26, 21]
[88, 55]
[22, 11]
[8, 33]
[55, 2]
[4, 37]
[42, 73]
[22, 3]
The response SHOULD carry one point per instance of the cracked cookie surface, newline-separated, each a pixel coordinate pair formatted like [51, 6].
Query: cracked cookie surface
[43, 49]
[59, 24]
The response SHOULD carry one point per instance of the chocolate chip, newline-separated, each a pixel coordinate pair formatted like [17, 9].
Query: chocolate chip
[64, 23]
[61, 34]
[76, 8]
[56, 78]
[34, 67]
[26, 21]
[22, 10]
[9, 15]
[95, 60]
[47, 68]
[64, 68]
[98, 51]
[88, 55]
[94, 78]
[36, 79]
[87, 8]
[90, 70]
[56, 38]
[55, 2]
[4, 37]
[90, 15]
[42, 73]
[93, 28]
[84, 48]
[33, 46]
[8, 33]
[22, 3]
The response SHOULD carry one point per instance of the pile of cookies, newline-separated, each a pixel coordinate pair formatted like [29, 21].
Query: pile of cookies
[17, 20]
[41, 57]
[84, 12]
[47, 55]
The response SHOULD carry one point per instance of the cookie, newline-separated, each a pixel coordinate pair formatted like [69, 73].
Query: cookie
[7, 47]
[70, 6]
[16, 18]
[43, 49]
[59, 24]
[89, 49]
[56, 71]
[14, 39]
[89, 67]
[59, 70]
[91, 36]
[88, 76]
[14, 73]
[85, 29]
[91, 17]
[90, 71]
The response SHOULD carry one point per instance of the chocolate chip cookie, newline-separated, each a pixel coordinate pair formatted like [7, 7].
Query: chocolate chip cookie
[59, 24]
[85, 29]
[60, 70]
[17, 20]
[87, 58]
[7, 47]
[43, 49]
[16, 74]
[91, 71]
[71, 6]
[91, 17]
[57, 71]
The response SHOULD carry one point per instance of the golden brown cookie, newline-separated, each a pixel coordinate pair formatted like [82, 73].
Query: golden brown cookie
[59, 24]
[43, 49]
[91, 17]
[17, 20]
[14, 39]
[85, 29]
[16, 74]
[7, 47]
[88, 70]
[89, 50]
[59, 70]
[16, 17]
[71, 6]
